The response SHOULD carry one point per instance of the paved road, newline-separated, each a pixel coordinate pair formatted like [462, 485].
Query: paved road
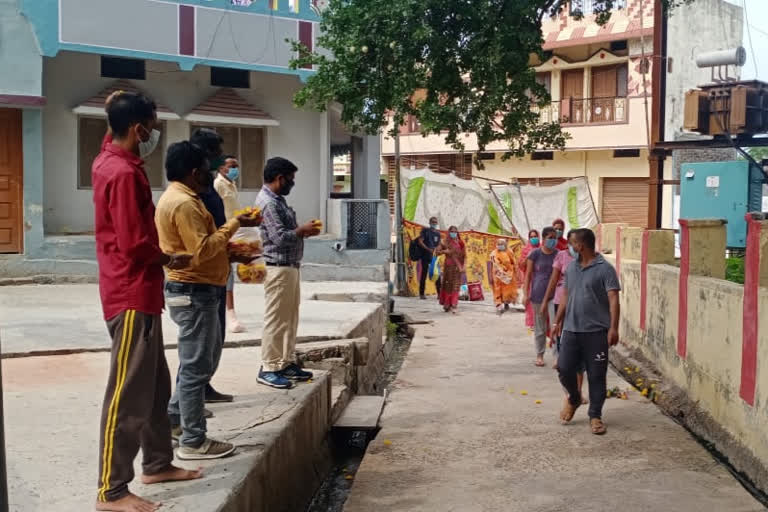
[458, 435]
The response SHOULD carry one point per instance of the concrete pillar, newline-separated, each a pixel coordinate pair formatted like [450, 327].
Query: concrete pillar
[607, 237]
[32, 140]
[702, 253]
[326, 166]
[657, 246]
[366, 167]
[631, 241]
[706, 246]
[755, 276]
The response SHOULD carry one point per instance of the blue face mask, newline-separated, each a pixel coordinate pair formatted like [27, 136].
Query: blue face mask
[433, 226]
[559, 233]
[233, 173]
[535, 241]
[454, 235]
[573, 253]
[550, 243]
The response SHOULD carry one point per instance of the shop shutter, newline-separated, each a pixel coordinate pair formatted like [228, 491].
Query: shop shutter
[625, 200]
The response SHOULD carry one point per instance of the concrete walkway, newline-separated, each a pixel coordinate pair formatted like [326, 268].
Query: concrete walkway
[52, 408]
[45, 319]
[459, 435]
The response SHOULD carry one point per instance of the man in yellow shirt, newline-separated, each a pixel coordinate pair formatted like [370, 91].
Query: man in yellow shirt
[226, 186]
[192, 294]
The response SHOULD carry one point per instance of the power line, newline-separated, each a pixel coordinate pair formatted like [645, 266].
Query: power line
[749, 36]
[764, 32]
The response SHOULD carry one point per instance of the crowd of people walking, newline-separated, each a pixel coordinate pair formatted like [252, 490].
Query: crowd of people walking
[569, 292]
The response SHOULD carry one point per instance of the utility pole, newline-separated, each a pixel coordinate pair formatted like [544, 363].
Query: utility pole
[400, 277]
[658, 98]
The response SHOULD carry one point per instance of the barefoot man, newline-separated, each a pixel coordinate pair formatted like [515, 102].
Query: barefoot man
[589, 324]
[131, 286]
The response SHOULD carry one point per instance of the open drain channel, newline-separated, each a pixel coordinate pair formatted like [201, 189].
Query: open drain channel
[348, 446]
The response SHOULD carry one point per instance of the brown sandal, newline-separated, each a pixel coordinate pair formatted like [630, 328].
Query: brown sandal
[568, 411]
[597, 426]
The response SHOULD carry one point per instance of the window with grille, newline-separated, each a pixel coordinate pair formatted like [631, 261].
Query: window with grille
[587, 7]
[362, 225]
[90, 134]
[248, 144]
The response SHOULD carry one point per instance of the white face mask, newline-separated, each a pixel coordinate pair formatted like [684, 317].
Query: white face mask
[146, 148]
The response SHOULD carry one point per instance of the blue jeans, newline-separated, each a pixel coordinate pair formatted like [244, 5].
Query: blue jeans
[195, 309]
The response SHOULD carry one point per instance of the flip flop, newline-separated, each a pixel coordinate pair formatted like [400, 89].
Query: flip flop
[540, 364]
[597, 426]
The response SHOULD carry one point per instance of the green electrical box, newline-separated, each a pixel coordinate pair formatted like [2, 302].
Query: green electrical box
[722, 190]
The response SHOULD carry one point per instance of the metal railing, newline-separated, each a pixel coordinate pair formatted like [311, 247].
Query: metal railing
[584, 111]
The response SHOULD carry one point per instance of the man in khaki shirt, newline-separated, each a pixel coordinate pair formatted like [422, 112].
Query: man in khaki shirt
[185, 226]
[225, 185]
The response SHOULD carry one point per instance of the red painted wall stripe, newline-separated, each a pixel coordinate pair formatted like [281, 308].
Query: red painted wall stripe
[186, 30]
[618, 252]
[750, 312]
[305, 37]
[644, 280]
[682, 299]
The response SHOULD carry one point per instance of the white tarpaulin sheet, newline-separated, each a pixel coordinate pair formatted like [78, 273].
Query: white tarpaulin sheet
[469, 206]
[534, 207]
[454, 201]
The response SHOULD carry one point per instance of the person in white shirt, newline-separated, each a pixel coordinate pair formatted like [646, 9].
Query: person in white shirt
[226, 186]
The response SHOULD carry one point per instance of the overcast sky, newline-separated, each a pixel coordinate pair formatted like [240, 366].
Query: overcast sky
[757, 17]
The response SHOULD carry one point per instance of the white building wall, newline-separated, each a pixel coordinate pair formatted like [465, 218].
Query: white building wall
[70, 78]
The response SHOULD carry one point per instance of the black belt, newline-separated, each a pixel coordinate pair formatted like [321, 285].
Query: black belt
[286, 265]
[179, 287]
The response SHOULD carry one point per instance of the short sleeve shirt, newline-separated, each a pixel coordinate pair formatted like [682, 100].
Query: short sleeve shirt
[542, 271]
[431, 237]
[562, 260]
[588, 309]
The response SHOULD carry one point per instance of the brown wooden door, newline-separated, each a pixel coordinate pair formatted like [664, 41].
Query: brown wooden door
[625, 200]
[604, 92]
[573, 83]
[604, 82]
[11, 171]
[572, 94]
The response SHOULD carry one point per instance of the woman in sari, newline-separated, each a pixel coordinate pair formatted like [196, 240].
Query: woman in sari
[452, 271]
[504, 276]
[533, 243]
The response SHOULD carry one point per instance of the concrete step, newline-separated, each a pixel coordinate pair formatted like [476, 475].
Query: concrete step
[319, 272]
[362, 413]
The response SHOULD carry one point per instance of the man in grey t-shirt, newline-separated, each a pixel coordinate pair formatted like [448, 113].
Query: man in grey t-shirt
[589, 323]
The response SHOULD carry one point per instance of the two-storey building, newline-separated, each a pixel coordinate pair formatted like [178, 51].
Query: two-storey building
[222, 64]
[599, 79]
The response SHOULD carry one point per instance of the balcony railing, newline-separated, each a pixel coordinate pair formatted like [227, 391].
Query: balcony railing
[574, 111]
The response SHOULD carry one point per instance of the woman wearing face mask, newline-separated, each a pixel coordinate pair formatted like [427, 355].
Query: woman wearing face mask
[504, 276]
[556, 290]
[539, 270]
[562, 242]
[453, 269]
[522, 266]
[225, 185]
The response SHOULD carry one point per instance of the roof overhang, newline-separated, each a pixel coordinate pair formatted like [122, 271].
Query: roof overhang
[226, 107]
[94, 106]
